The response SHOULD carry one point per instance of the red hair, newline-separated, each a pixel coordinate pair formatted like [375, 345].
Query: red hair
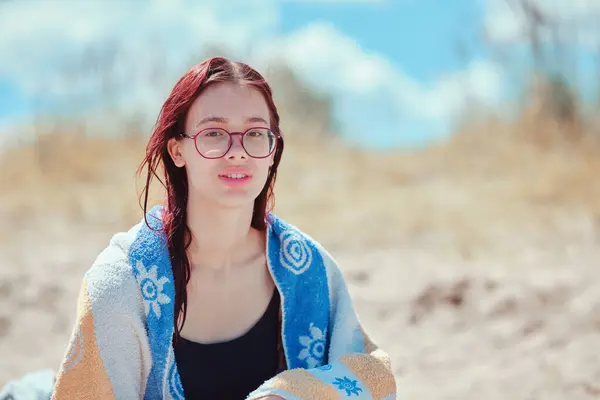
[170, 124]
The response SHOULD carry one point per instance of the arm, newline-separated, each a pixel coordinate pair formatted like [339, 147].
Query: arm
[357, 366]
[107, 354]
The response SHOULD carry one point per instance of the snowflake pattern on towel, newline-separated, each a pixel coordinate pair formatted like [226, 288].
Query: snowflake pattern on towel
[350, 386]
[152, 288]
[313, 351]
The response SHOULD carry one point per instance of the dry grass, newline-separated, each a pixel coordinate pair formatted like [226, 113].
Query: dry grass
[490, 178]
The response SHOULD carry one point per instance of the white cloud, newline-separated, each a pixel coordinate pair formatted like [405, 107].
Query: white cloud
[48, 55]
[577, 20]
[160, 38]
[368, 85]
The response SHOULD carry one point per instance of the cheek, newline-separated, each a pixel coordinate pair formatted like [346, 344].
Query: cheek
[198, 169]
[263, 166]
[187, 153]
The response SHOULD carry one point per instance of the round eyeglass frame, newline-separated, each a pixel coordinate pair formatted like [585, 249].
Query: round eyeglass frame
[231, 136]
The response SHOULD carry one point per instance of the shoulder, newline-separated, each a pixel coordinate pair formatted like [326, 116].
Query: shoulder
[290, 235]
[321, 271]
[110, 281]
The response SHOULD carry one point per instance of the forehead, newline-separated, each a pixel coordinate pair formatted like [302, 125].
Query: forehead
[230, 101]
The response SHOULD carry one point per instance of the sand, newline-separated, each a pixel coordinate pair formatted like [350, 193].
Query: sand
[520, 320]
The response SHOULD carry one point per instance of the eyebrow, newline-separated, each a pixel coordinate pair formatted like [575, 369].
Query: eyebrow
[222, 120]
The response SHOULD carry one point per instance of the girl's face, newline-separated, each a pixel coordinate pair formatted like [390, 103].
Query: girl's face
[235, 179]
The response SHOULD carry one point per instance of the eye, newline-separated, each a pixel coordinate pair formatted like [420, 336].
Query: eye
[256, 133]
[213, 133]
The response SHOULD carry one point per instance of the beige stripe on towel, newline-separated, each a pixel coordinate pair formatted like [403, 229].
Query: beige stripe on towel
[304, 385]
[82, 375]
[372, 372]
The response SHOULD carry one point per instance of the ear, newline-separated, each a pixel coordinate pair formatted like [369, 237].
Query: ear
[174, 147]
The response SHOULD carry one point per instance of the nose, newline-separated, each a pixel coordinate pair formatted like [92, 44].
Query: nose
[236, 152]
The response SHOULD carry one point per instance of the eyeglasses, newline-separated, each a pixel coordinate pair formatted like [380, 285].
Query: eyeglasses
[215, 142]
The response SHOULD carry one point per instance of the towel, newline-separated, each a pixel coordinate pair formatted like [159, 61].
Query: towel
[33, 386]
[121, 346]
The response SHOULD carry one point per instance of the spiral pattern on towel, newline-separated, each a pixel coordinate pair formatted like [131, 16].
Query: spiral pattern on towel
[296, 255]
[175, 386]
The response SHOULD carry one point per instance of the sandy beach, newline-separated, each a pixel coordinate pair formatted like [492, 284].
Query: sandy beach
[522, 326]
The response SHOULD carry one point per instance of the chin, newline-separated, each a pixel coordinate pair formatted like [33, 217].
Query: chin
[237, 199]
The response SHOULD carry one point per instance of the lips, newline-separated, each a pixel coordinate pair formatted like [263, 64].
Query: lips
[235, 177]
[235, 173]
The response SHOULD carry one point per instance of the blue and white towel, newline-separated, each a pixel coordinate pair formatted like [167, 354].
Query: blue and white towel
[122, 347]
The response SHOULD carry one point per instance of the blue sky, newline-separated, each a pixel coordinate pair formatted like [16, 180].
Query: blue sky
[416, 35]
[390, 61]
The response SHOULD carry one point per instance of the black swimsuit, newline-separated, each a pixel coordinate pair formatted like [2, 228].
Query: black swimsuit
[231, 369]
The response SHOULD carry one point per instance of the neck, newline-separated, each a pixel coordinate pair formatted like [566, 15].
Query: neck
[221, 237]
